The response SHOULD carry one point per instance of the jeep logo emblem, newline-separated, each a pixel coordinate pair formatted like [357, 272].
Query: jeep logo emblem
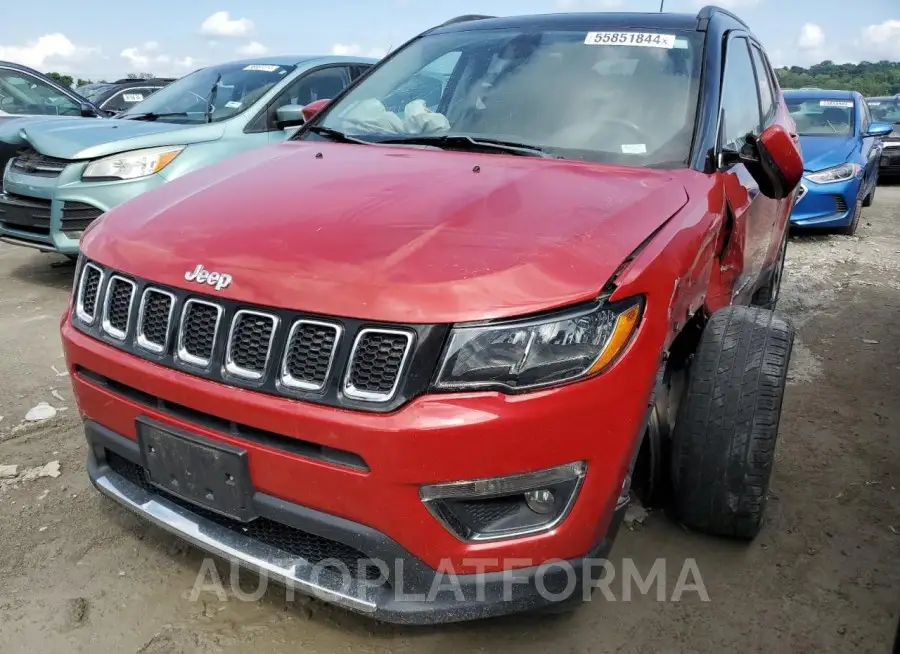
[203, 276]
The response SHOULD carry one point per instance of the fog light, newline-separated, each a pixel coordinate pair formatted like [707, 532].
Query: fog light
[505, 507]
[540, 501]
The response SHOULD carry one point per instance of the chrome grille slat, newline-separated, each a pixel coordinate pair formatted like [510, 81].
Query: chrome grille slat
[117, 306]
[250, 344]
[198, 332]
[281, 352]
[155, 320]
[88, 293]
[376, 364]
[309, 355]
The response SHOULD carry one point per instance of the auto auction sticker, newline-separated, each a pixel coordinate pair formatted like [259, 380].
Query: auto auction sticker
[264, 68]
[846, 104]
[132, 97]
[643, 39]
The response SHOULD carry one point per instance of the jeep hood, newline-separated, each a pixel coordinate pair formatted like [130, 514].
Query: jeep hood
[89, 138]
[390, 233]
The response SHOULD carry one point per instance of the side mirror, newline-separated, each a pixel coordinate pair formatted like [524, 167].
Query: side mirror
[313, 108]
[779, 167]
[772, 159]
[290, 115]
[87, 111]
[879, 129]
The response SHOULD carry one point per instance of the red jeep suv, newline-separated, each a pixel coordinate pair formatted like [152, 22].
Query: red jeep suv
[416, 359]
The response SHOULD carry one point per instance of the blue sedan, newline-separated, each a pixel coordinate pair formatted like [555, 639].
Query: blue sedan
[841, 147]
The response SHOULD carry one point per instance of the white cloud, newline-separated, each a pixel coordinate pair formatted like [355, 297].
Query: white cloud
[812, 37]
[54, 50]
[881, 41]
[143, 59]
[221, 24]
[252, 49]
[356, 50]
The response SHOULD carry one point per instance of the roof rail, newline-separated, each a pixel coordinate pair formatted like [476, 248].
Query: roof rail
[464, 19]
[707, 12]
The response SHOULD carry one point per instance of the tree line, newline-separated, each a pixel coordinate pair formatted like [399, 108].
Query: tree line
[75, 82]
[871, 78]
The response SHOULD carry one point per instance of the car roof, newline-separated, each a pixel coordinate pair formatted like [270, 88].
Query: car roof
[825, 94]
[294, 60]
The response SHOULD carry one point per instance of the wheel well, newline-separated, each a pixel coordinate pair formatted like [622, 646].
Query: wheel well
[650, 477]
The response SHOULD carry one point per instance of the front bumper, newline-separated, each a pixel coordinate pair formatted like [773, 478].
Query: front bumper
[826, 205]
[48, 213]
[404, 590]
[890, 160]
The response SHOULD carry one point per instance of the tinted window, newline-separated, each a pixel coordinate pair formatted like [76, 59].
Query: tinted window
[23, 94]
[766, 94]
[621, 97]
[739, 99]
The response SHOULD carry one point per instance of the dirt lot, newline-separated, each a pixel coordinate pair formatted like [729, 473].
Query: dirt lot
[78, 574]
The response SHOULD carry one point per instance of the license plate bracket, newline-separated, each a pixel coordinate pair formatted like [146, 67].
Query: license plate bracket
[210, 474]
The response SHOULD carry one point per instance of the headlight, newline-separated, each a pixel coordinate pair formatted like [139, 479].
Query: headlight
[134, 164]
[532, 353]
[836, 174]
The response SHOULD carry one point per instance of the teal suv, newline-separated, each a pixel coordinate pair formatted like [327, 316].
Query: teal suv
[67, 172]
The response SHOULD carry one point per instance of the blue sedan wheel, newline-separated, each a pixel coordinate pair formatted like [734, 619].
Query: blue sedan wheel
[850, 229]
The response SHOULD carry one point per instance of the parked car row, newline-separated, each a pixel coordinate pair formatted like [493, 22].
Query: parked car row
[122, 94]
[68, 172]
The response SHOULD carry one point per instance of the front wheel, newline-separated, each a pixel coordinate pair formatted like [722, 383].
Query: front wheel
[723, 443]
[850, 229]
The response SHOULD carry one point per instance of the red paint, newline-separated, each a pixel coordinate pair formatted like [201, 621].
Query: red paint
[784, 153]
[409, 235]
[314, 107]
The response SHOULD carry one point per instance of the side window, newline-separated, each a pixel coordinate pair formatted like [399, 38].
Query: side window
[317, 85]
[866, 117]
[359, 70]
[740, 103]
[26, 95]
[766, 93]
[127, 98]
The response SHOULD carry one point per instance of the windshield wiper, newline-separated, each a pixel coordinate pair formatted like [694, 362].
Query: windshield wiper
[211, 98]
[150, 116]
[335, 135]
[459, 141]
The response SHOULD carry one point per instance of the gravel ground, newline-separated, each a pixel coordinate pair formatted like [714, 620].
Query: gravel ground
[78, 574]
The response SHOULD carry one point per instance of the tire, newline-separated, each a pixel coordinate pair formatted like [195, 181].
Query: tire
[850, 229]
[870, 198]
[767, 296]
[723, 443]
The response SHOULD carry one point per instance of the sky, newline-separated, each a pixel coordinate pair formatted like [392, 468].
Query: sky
[105, 39]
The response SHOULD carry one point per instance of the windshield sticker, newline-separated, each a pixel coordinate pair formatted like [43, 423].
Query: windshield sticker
[642, 39]
[233, 104]
[265, 68]
[634, 148]
[874, 104]
[132, 97]
[846, 104]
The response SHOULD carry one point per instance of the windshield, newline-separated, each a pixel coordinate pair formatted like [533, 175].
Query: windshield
[92, 91]
[238, 88]
[623, 97]
[884, 110]
[816, 116]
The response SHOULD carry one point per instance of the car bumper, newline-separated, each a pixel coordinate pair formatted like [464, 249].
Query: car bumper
[409, 592]
[826, 205]
[890, 162]
[50, 213]
[434, 438]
